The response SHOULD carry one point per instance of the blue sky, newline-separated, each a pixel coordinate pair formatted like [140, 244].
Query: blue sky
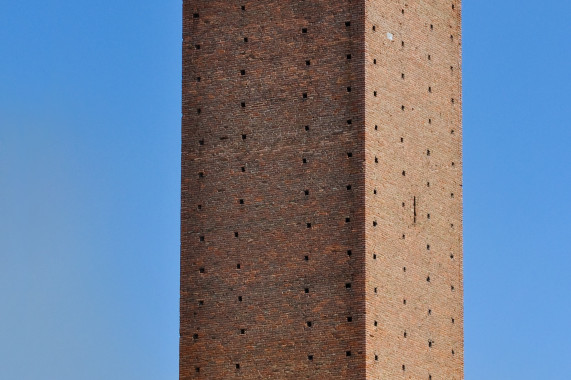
[89, 189]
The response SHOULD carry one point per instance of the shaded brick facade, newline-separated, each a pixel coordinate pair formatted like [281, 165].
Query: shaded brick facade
[321, 204]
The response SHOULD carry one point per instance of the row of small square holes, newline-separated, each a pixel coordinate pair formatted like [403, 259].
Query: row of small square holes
[375, 323]
[241, 201]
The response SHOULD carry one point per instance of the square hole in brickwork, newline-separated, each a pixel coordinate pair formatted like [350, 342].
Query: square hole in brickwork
[349, 122]
[375, 290]
[201, 142]
[374, 61]
[198, 79]
[197, 369]
[201, 270]
[240, 298]
[348, 89]
[243, 104]
[309, 357]
[431, 27]
[429, 57]
[404, 269]
[304, 30]
[428, 279]
[349, 319]
[306, 290]
[405, 334]
[308, 225]
[242, 72]
[241, 201]
[243, 7]
[306, 258]
[306, 192]
[308, 63]
[349, 252]
[347, 23]
[243, 168]
[403, 367]
[245, 39]
[304, 160]
[348, 56]
[347, 220]
[376, 160]
[377, 357]
[244, 137]
[374, 223]
[238, 266]
[404, 302]
[348, 285]
[402, 43]
[195, 336]
[348, 353]
[429, 89]
[201, 238]
[374, 93]
[375, 323]
[198, 111]
[376, 127]
[195, 15]
[403, 173]
[429, 311]
[237, 366]
[374, 28]
[309, 323]
[201, 303]
[348, 187]
[242, 331]
[402, 108]
[305, 95]
[306, 127]
[402, 75]
[197, 47]
[374, 256]
[375, 191]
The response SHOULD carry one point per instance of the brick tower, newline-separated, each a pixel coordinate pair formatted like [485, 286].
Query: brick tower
[321, 218]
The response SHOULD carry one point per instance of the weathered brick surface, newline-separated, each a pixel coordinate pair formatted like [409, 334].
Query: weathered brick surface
[277, 190]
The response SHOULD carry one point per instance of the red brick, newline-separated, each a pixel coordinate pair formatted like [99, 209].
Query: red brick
[266, 211]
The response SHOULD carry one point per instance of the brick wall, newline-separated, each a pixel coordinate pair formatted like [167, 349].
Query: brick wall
[413, 190]
[277, 203]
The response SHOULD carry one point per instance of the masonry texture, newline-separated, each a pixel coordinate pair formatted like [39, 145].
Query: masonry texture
[321, 205]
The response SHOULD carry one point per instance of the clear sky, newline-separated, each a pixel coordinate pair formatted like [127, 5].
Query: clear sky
[89, 189]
